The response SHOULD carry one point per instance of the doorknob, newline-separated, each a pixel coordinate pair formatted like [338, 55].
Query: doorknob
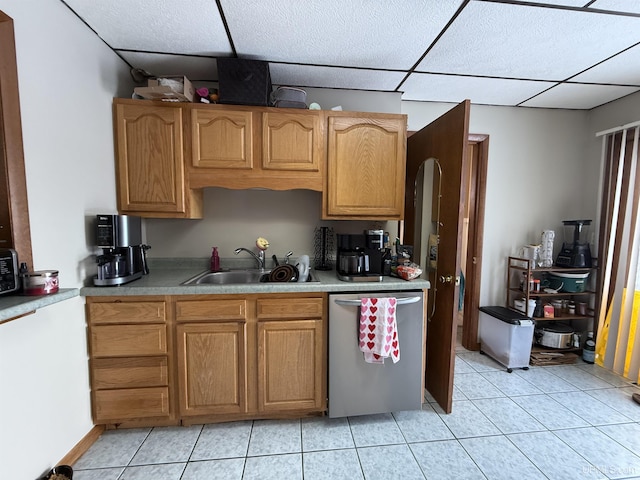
[449, 279]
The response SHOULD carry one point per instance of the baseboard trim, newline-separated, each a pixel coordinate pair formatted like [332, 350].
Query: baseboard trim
[82, 446]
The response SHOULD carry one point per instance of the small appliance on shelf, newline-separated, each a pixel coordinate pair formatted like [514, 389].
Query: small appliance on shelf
[123, 256]
[575, 252]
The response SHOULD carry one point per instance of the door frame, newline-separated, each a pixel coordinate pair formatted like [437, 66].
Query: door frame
[479, 144]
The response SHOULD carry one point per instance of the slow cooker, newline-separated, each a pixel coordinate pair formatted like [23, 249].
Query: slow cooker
[554, 335]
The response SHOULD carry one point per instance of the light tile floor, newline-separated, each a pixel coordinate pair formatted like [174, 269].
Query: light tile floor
[561, 422]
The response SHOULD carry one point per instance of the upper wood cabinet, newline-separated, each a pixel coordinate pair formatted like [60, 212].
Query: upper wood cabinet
[150, 161]
[366, 158]
[251, 147]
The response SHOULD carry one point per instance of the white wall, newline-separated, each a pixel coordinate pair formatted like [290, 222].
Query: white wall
[67, 79]
[536, 178]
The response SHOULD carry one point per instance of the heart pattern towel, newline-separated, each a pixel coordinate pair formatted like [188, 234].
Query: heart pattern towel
[378, 332]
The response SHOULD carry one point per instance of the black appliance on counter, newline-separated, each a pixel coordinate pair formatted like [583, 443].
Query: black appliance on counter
[362, 257]
[123, 256]
[575, 250]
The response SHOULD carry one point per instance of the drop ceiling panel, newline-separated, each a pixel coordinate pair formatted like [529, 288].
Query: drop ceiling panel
[194, 68]
[579, 96]
[390, 34]
[526, 42]
[486, 91]
[623, 69]
[334, 77]
[631, 6]
[168, 26]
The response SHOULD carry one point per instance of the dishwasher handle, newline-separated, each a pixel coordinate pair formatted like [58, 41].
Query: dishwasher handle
[399, 301]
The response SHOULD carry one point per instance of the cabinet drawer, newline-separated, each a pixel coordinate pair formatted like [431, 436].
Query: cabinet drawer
[127, 312]
[131, 403]
[128, 340]
[208, 310]
[289, 308]
[129, 372]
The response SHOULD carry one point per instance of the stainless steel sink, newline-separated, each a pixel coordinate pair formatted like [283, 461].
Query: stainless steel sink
[228, 277]
[231, 277]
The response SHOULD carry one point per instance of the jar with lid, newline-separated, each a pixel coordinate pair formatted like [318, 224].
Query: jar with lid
[589, 350]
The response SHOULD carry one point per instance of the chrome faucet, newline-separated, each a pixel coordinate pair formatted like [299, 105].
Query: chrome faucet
[259, 257]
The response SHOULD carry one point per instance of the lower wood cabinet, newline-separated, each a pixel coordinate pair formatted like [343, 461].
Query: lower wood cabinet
[130, 361]
[199, 358]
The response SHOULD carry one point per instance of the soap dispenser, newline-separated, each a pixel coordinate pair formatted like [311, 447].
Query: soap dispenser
[215, 260]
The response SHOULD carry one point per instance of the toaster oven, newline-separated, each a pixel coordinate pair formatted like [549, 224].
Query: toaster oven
[9, 276]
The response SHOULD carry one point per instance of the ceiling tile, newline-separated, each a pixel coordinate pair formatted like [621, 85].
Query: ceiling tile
[194, 68]
[168, 26]
[617, 5]
[527, 42]
[359, 33]
[485, 91]
[622, 69]
[334, 77]
[578, 96]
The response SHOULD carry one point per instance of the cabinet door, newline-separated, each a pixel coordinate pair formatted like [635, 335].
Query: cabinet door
[150, 159]
[291, 141]
[290, 365]
[222, 138]
[366, 167]
[212, 368]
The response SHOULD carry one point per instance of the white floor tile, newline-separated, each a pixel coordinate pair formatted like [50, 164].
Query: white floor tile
[588, 408]
[98, 474]
[114, 448]
[604, 374]
[499, 459]
[549, 413]
[474, 385]
[392, 462]
[545, 380]
[620, 400]
[578, 377]
[324, 433]
[627, 435]
[332, 464]
[270, 437]
[274, 467]
[227, 469]
[445, 459]
[611, 458]
[369, 430]
[466, 420]
[554, 457]
[167, 445]
[222, 440]
[480, 362]
[422, 425]
[165, 471]
[510, 384]
[507, 415]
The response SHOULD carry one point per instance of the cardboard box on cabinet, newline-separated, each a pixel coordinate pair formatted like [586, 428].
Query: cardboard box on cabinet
[168, 89]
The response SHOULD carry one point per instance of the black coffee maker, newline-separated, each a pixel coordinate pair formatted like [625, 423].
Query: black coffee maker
[124, 257]
[361, 257]
[575, 250]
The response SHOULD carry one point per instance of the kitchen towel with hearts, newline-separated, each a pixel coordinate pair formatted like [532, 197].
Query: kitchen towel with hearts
[378, 333]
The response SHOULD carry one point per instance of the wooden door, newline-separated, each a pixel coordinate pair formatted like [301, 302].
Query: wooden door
[212, 368]
[445, 139]
[366, 167]
[150, 158]
[290, 365]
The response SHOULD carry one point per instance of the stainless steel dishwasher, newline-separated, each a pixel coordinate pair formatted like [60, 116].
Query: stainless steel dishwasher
[360, 388]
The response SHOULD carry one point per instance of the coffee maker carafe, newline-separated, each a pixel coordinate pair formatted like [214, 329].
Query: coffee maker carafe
[360, 257]
[123, 256]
